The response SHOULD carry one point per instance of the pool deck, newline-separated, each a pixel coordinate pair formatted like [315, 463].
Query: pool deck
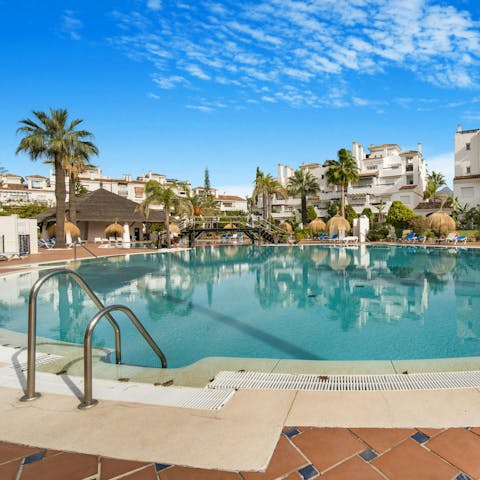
[257, 434]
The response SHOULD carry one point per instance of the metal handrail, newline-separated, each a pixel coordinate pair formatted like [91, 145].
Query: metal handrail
[88, 401]
[30, 393]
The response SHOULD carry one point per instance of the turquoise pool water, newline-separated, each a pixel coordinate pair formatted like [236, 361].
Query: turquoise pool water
[310, 302]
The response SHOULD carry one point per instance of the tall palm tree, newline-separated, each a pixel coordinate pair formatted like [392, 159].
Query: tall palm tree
[303, 183]
[76, 163]
[341, 172]
[53, 138]
[265, 187]
[157, 194]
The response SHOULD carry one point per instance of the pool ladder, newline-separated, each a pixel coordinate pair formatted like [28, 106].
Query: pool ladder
[88, 400]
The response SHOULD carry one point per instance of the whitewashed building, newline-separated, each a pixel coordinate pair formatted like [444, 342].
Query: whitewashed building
[466, 183]
[386, 174]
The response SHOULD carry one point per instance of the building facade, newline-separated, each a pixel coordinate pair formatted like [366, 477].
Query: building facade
[386, 174]
[466, 183]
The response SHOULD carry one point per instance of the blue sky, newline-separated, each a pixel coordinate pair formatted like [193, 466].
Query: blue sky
[177, 86]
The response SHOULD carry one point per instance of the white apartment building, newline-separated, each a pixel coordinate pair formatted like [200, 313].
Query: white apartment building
[466, 183]
[14, 190]
[386, 174]
[224, 202]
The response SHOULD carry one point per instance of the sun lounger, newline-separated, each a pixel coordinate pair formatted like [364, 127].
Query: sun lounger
[461, 238]
[9, 256]
[350, 239]
[451, 238]
[410, 237]
[43, 243]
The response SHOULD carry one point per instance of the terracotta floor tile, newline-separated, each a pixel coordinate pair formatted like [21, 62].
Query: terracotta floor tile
[71, 466]
[460, 447]
[431, 432]
[294, 476]
[11, 451]
[8, 471]
[285, 458]
[148, 473]
[381, 439]
[411, 460]
[354, 468]
[325, 447]
[111, 467]
[185, 473]
[476, 430]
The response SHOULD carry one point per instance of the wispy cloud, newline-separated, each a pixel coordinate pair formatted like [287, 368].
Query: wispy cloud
[71, 25]
[444, 163]
[313, 44]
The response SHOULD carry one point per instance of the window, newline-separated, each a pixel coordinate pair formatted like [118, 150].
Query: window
[467, 146]
[468, 169]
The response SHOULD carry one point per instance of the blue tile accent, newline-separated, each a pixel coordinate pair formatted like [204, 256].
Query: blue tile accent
[161, 466]
[291, 432]
[420, 437]
[368, 455]
[308, 472]
[34, 457]
[462, 476]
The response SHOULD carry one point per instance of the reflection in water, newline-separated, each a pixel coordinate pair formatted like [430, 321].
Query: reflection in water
[282, 302]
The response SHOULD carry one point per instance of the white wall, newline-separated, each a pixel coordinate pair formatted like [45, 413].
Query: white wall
[13, 226]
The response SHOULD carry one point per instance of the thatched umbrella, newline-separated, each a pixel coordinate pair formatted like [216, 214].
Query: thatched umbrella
[174, 228]
[318, 256]
[337, 223]
[441, 264]
[69, 228]
[286, 227]
[229, 225]
[340, 261]
[316, 225]
[441, 223]
[114, 229]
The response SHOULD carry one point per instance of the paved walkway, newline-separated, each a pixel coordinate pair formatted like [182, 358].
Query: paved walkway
[301, 453]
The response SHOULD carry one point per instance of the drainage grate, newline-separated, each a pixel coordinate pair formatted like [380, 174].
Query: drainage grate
[208, 399]
[40, 359]
[286, 381]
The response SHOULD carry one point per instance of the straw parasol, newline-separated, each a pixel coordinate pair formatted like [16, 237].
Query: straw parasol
[441, 265]
[286, 227]
[70, 229]
[316, 225]
[114, 229]
[340, 261]
[173, 228]
[229, 225]
[337, 223]
[318, 256]
[441, 222]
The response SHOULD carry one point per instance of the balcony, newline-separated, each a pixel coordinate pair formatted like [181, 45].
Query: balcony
[409, 167]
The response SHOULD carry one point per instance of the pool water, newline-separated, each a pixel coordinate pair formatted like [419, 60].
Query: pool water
[308, 302]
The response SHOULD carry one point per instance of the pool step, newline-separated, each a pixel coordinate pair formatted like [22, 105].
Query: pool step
[386, 382]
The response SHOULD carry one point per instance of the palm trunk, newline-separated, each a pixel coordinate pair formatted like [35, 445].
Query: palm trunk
[304, 211]
[265, 206]
[60, 195]
[167, 225]
[342, 201]
[72, 199]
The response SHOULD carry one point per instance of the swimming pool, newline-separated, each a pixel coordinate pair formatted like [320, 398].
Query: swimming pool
[300, 302]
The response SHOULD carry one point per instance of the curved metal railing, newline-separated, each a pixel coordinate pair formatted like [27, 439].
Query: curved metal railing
[88, 400]
[30, 393]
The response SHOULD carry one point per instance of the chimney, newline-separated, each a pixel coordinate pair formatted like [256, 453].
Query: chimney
[459, 128]
[419, 147]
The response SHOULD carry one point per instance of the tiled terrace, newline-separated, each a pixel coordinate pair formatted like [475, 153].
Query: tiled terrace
[302, 453]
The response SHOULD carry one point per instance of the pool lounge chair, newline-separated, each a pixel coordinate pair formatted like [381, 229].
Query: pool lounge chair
[461, 238]
[410, 237]
[5, 256]
[350, 239]
[43, 243]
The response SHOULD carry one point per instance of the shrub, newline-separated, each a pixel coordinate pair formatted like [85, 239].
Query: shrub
[399, 215]
[311, 213]
[368, 213]
[379, 231]
[418, 224]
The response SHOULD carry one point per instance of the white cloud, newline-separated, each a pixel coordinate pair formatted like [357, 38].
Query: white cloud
[154, 4]
[319, 43]
[71, 25]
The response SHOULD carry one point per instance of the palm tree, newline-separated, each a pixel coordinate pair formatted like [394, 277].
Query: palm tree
[265, 187]
[434, 181]
[303, 183]
[342, 172]
[157, 194]
[77, 163]
[53, 138]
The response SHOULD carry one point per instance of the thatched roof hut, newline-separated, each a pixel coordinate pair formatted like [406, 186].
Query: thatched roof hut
[285, 226]
[174, 228]
[69, 228]
[114, 229]
[337, 223]
[317, 225]
[441, 223]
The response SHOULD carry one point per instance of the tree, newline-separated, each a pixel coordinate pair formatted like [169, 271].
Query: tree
[206, 183]
[76, 163]
[399, 215]
[157, 194]
[53, 138]
[265, 187]
[381, 210]
[311, 213]
[302, 184]
[368, 213]
[435, 180]
[341, 172]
